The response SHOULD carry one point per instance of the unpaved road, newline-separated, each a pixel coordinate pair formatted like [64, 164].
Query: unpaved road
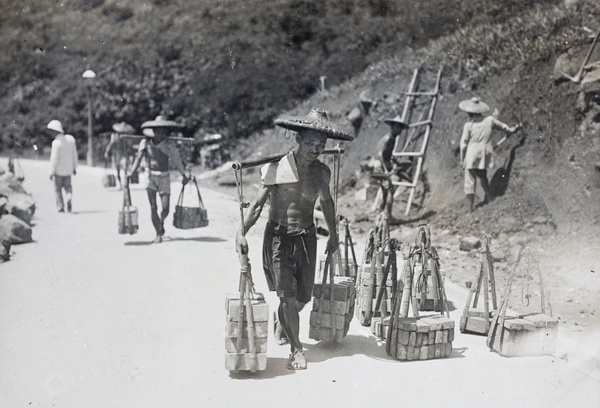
[91, 318]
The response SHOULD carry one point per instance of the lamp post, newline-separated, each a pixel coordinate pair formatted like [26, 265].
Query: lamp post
[88, 78]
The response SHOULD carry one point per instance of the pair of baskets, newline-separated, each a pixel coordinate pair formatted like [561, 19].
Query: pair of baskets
[190, 217]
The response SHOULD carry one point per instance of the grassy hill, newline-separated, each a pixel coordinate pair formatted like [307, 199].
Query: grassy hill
[221, 66]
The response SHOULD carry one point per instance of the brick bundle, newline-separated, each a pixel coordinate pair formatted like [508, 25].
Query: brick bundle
[365, 309]
[238, 355]
[528, 335]
[421, 338]
[332, 309]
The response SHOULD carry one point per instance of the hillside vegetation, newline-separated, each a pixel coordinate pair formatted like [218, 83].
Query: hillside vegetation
[222, 66]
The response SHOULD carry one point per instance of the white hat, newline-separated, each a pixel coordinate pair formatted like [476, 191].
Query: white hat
[474, 105]
[56, 126]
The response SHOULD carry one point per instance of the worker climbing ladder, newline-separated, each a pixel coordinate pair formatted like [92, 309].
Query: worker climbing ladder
[420, 104]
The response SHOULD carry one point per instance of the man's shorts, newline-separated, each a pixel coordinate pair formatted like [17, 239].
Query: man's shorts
[289, 260]
[159, 181]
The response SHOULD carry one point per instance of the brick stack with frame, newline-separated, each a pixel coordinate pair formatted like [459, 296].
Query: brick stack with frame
[333, 303]
[524, 334]
[370, 275]
[475, 320]
[247, 326]
[421, 337]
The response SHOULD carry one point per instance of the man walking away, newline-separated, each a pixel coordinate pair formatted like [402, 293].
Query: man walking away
[63, 164]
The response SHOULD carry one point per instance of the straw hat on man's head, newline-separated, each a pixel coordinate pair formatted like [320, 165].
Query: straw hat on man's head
[474, 105]
[56, 126]
[161, 122]
[123, 127]
[396, 121]
[315, 120]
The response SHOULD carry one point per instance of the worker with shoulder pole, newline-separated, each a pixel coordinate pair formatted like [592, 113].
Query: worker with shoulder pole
[160, 153]
[293, 185]
[476, 147]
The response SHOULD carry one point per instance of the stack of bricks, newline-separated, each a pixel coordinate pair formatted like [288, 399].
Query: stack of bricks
[380, 326]
[530, 335]
[323, 318]
[475, 322]
[367, 301]
[239, 358]
[421, 338]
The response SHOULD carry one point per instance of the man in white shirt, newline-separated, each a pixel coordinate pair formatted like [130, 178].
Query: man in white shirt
[63, 164]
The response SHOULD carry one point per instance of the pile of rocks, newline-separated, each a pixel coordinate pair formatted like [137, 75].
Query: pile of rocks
[17, 208]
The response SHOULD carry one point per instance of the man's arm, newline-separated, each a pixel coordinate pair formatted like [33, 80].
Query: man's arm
[328, 209]
[53, 158]
[138, 157]
[75, 158]
[252, 215]
[503, 126]
[464, 141]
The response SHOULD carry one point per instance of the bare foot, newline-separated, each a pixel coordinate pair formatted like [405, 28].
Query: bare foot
[157, 240]
[297, 361]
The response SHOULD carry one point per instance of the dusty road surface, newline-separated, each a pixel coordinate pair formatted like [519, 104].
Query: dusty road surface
[91, 318]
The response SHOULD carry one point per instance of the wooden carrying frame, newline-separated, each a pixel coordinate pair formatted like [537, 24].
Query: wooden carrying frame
[128, 216]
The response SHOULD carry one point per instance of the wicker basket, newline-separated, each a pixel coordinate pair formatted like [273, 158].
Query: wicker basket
[190, 217]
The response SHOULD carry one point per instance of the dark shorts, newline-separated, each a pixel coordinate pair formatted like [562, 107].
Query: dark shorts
[289, 260]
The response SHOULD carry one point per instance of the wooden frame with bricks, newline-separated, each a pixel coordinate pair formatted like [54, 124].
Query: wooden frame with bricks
[419, 337]
[524, 334]
[473, 320]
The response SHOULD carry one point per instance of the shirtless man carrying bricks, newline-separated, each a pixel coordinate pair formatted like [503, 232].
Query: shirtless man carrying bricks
[290, 243]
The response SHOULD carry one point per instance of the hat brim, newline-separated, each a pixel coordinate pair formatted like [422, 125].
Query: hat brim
[299, 124]
[161, 124]
[471, 107]
[123, 128]
[397, 122]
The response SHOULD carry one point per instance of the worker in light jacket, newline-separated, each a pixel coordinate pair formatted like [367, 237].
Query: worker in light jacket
[476, 147]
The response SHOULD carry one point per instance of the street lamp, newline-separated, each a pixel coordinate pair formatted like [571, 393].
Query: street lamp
[88, 78]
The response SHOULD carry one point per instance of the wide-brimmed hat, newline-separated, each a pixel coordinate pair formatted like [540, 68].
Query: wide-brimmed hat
[123, 127]
[56, 126]
[315, 120]
[160, 121]
[396, 120]
[148, 132]
[473, 105]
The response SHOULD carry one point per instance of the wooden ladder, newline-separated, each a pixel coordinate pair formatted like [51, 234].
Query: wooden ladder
[421, 127]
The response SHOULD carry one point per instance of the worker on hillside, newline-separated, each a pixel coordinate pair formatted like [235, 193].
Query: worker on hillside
[476, 147]
[293, 186]
[393, 168]
[160, 153]
[117, 149]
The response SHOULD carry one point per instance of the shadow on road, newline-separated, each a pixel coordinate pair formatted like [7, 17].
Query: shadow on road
[169, 239]
[88, 212]
[276, 367]
[351, 345]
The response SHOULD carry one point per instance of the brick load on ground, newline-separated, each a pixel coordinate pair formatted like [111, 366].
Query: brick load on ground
[238, 357]
[529, 335]
[421, 338]
[367, 300]
[331, 316]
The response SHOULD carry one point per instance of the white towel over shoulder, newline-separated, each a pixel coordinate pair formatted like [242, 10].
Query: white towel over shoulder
[283, 171]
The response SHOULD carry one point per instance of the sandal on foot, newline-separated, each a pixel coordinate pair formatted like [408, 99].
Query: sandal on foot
[297, 361]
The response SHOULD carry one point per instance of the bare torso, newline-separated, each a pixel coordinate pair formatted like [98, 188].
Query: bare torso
[293, 204]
